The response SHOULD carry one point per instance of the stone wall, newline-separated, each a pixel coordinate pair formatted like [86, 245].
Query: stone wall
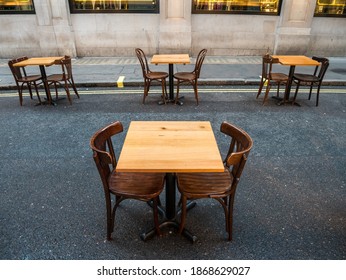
[54, 31]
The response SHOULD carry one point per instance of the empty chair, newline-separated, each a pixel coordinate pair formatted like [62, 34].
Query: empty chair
[150, 76]
[268, 77]
[219, 186]
[22, 79]
[123, 185]
[312, 79]
[191, 77]
[65, 78]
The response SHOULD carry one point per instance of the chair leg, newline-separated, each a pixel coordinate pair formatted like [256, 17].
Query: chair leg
[146, 90]
[110, 218]
[310, 91]
[56, 90]
[266, 93]
[68, 92]
[224, 202]
[74, 87]
[260, 88]
[278, 90]
[163, 85]
[111, 214]
[318, 94]
[177, 96]
[166, 94]
[196, 91]
[156, 216]
[20, 93]
[38, 96]
[295, 94]
[230, 216]
[30, 91]
[183, 213]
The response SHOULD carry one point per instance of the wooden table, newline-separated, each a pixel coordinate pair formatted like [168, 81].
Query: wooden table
[293, 61]
[170, 147]
[171, 59]
[42, 62]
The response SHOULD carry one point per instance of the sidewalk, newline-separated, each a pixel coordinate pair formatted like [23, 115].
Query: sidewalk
[237, 70]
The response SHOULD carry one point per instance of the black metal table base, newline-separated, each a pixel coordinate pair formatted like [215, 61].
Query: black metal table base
[179, 102]
[281, 101]
[167, 225]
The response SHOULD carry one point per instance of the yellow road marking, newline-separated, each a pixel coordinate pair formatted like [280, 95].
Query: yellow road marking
[120, 82]
[9, 93]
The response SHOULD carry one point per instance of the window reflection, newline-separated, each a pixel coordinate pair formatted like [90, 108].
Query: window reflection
[114, 6]
[20, 6]
[257, 6]
[330, 8]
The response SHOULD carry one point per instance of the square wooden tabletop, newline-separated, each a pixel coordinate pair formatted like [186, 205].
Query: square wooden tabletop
[170, 59]
[296, 60]
[47, 61]
[170, 146]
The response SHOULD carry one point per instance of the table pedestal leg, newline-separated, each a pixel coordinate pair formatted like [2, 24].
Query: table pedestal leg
[170, 213]
[288, 88]
[45, 84]
[171, 88]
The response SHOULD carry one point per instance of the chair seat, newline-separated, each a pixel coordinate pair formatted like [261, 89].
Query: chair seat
[136, 185]
[157, 75]
[205, 184]
[55, 77]
[306, 78]
[32, 78]
[279, 77]
[185, 76]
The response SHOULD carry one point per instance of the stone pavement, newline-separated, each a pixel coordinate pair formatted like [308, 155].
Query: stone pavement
[105, 71]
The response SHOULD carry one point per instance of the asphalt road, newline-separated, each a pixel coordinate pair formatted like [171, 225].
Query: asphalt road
[290, 202]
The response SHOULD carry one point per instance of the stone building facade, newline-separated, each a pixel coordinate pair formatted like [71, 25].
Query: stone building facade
[53, 30]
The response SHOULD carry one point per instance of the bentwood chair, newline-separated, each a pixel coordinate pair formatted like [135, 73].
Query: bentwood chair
[65, 78]
[312, 80]
[122, 185]
[268, 77]
[22, 79]
[150, 76]
[191, 77]
[219, 186]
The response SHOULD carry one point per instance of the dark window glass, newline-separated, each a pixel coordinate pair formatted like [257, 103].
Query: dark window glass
[266, 7]
[330, 8]
[17, 7]
[117, 6]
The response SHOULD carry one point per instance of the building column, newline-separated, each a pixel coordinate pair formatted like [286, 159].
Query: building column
[54, 28]
[294, 28]
[175, 26]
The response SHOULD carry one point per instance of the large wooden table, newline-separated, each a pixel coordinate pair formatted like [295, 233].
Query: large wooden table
[293, 61]
[42, 62]
[170, 147]
[171, 59]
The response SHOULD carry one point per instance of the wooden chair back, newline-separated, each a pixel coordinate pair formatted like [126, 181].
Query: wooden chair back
[103, 151]
[199, 62]
[143, 61]
[320, 70]
[17, 72]
[239, 149]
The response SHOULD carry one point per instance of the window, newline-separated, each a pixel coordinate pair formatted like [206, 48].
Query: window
[267, 7]
[330, 8]
[117, 6]
[17, 7]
